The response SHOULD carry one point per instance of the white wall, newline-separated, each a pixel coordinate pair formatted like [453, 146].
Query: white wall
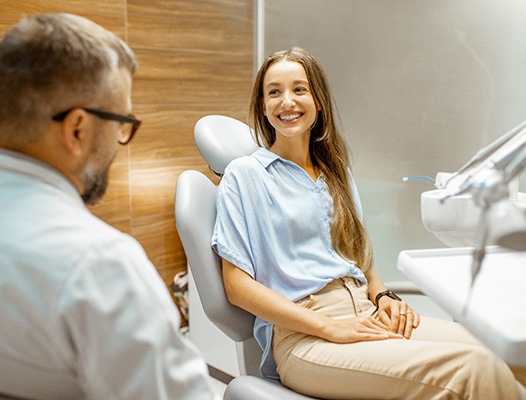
[420, 86]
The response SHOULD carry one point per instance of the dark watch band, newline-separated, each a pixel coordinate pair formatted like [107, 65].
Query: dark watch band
[388, 293]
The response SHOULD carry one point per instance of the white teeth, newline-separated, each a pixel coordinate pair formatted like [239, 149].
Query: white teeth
[289, 117]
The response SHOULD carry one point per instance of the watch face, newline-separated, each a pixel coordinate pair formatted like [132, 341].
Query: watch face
[387, 293]
[394, 296]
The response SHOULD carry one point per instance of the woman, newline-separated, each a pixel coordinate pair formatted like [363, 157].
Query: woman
[296, 254]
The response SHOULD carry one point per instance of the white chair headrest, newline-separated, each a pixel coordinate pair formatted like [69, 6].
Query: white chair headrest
[220, 139]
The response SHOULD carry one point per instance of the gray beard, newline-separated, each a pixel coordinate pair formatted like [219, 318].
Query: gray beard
[95, 187]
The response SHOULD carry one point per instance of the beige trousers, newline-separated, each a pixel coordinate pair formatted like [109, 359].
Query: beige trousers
[440, 361]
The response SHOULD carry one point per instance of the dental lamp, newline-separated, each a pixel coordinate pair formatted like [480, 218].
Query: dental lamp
[489, 174]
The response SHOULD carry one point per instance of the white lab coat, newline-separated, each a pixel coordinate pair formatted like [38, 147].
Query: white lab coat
[83, 312]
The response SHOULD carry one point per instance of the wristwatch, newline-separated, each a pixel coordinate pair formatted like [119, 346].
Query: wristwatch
[388, 293]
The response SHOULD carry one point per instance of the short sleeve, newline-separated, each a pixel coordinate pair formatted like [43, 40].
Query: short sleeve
[231, 238]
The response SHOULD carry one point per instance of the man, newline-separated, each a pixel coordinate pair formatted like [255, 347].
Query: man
[83, 311]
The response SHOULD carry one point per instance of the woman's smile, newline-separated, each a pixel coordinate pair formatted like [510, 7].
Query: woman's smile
[290, 117]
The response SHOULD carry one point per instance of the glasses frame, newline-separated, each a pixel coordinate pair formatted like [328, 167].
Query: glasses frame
[136, 123]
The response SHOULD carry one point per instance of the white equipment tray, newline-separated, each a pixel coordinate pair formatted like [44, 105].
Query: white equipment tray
[495, 311]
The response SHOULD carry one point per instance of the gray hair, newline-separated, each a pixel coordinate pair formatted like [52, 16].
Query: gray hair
[50, 63]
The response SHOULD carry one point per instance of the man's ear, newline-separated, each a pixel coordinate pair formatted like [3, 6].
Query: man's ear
[74, 131]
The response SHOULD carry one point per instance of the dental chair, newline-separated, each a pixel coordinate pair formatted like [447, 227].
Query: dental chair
[220, 139]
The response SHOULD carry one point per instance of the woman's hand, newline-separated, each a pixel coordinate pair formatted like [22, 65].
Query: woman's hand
[357, 329]
[398, 316]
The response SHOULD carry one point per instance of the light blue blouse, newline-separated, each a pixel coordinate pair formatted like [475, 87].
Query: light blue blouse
[273, 222]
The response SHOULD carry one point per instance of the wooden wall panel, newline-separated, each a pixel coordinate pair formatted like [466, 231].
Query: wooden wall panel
[197, 25]
[195, 58]
[180, 76]
[109, 13]
[167, 130]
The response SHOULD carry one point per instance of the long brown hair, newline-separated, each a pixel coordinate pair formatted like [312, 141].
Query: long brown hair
[328, 152]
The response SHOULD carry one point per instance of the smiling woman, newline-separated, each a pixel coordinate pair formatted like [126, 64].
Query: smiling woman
[296, 254]
[319, 147]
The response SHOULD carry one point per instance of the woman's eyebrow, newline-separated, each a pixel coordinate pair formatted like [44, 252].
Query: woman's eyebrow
[296, 82]
[272, 84]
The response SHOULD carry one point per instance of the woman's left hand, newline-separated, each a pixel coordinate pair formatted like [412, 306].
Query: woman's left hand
[398, 316]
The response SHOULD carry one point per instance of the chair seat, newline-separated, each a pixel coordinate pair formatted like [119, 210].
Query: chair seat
[251, 387]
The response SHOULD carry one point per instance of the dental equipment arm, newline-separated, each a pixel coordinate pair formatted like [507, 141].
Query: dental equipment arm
[487, 151]
[483, 182]
[503, 161]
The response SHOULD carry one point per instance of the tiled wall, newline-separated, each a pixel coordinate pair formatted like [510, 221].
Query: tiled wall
[196, 58]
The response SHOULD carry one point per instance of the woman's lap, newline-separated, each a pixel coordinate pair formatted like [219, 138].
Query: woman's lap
[441, 361]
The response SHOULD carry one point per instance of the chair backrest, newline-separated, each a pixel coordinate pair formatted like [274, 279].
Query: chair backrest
[220, 139]
[195, 213]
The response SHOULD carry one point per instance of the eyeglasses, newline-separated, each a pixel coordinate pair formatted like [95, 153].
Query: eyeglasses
[129, 124]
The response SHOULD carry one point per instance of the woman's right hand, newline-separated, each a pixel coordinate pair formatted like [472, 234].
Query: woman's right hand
[357, 329]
